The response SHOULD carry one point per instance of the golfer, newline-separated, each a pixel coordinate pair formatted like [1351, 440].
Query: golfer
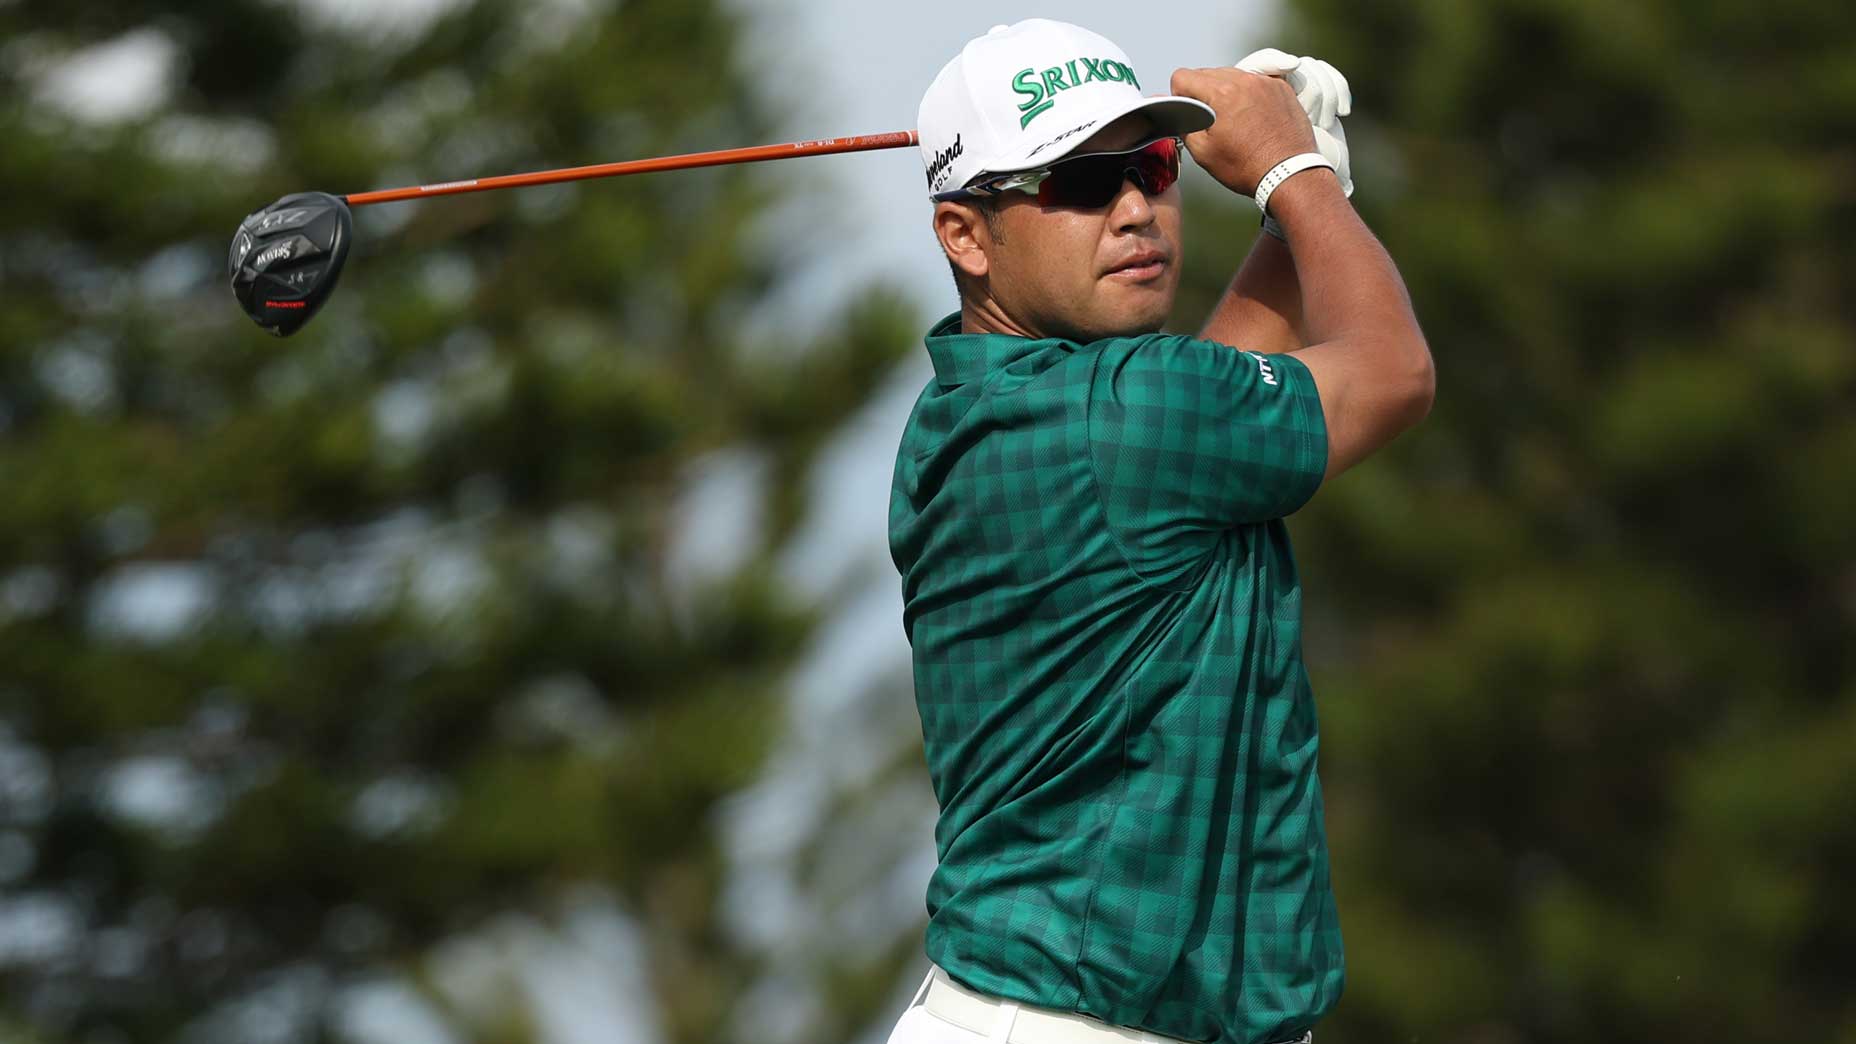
[1097, 582]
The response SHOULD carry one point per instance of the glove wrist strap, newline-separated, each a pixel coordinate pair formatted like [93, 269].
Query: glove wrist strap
[1285, 170]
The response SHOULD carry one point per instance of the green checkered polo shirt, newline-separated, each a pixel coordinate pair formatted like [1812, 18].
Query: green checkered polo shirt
[1106, 625]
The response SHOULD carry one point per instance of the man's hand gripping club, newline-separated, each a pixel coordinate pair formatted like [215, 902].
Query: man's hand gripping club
[1324, 95]
[1260, 123]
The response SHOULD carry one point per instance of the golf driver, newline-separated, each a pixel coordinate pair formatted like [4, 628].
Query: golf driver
[286, 258]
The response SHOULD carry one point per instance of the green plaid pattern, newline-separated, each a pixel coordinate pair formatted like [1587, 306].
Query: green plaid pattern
[1106, 625]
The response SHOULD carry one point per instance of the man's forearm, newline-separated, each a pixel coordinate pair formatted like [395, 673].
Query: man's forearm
[1349, 285]
[1261, 311]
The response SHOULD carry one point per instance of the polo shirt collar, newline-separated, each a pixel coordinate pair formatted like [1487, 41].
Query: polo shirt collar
[961, 358]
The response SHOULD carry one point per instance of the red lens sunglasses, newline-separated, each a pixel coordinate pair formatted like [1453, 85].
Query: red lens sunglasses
[1089, 181]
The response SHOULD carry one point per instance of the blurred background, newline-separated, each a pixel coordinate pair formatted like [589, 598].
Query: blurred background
[514, 655]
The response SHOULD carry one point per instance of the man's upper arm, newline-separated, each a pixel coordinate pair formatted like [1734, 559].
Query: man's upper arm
[1190, 436]
[1370, 393]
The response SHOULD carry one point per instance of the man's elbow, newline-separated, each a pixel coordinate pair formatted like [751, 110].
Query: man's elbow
[1418, 382]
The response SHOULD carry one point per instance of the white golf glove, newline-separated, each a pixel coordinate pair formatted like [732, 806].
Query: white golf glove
[1324, 95]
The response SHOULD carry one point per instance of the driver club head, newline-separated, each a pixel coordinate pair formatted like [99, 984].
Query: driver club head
[286, 258]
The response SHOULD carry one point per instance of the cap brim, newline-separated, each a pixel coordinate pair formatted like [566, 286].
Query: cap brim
[1171, 114]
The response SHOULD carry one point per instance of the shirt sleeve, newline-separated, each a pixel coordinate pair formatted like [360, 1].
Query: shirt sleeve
[1191, 437]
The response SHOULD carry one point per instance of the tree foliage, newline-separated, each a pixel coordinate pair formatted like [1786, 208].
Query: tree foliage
[315, 653]
[1585, 643]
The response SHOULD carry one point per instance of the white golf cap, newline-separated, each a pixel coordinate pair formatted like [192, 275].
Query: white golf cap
[1026, 95]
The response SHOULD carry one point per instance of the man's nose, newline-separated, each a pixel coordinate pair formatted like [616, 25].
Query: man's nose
[1130, 210]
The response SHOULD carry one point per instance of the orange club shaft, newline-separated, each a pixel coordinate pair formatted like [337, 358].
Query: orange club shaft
[754, 154]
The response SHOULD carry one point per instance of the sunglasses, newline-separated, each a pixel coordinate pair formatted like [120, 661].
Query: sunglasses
[1089, 181]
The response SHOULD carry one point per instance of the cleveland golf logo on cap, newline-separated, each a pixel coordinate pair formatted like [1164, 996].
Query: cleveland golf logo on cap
[937, 170]
[1041, 89]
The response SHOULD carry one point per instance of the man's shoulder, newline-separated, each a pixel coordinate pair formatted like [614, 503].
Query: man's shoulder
[1161, 355]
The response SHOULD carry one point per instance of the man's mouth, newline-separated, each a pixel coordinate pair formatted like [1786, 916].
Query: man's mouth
[1141, 267]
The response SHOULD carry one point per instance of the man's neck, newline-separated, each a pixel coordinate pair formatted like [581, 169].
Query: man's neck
[986, 317]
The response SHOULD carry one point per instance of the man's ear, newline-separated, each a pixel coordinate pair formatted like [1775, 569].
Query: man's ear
[965, 235]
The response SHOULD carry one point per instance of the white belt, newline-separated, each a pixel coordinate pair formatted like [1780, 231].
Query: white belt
[948, 1000]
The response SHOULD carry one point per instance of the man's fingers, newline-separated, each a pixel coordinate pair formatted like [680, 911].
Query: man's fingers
[1331, 141]
[1269, 62]
[1204, 84]
[1345, 107]
[1335, 86]
[1314, 89]
[1320, 88]
[1326, 95]
[1191, 83]
[1316, 99]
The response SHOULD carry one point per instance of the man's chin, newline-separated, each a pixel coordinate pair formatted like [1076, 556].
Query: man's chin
[1133, 324]
[1139, 330]
[1132, 318]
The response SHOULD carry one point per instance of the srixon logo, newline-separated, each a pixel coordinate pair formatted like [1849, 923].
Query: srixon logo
[1040, 88]
[938, 168]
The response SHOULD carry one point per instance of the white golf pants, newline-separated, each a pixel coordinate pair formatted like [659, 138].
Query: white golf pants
[944, 1012]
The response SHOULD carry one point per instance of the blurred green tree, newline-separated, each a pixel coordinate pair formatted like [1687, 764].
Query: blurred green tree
[1585, 643]
[314, 654]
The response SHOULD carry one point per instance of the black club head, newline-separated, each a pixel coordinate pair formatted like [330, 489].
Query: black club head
[285, 259]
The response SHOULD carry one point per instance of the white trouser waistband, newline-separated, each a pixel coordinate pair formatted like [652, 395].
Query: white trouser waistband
[1007, 1022]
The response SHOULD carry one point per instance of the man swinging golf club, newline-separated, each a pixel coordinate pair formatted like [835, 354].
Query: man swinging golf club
[1097, 581]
